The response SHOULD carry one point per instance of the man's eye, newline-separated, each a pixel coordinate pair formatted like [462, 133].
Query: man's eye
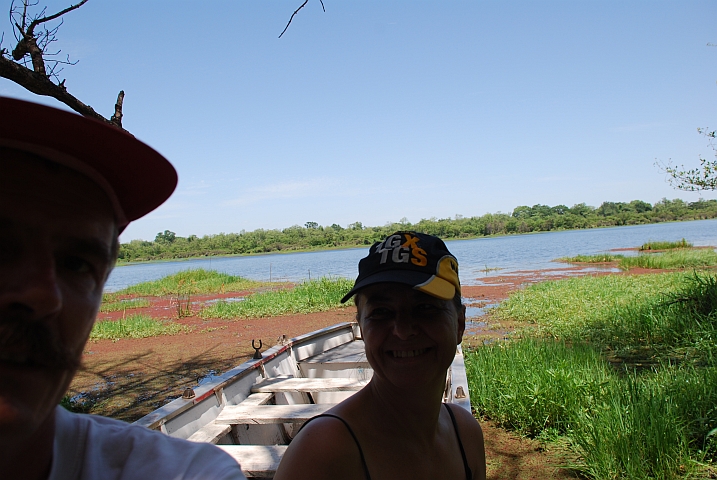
[77, 265]
[380, 312]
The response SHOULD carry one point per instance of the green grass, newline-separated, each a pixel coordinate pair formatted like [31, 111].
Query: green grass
[598, 258]
[192, 282]
[636, 431]
[624, 368]
[134, 326]
[532, 385]
[672, 259]
[313, 296]
[666, 245]
[120, 305]
[564, 306]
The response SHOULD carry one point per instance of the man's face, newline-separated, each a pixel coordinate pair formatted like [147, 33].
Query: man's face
[56, 235]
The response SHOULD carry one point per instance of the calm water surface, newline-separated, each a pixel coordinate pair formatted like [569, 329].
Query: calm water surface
[478, 258]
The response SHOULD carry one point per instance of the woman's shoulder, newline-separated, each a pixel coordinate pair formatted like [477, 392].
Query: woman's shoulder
[324, 448]
[471, 436]
[465, 419]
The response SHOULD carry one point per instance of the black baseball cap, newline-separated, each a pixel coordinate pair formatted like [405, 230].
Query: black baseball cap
[136, 178]
[416, 259]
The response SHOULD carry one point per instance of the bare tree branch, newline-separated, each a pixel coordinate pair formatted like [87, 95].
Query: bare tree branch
[293, 15]
[38, 21]
[41, 85]
[117, 116]
[38, 78]
[297, 11]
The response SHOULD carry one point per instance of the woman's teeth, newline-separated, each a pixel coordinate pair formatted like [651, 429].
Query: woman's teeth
[408, 353]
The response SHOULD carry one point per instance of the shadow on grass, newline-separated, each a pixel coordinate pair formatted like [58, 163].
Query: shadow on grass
[135, 385]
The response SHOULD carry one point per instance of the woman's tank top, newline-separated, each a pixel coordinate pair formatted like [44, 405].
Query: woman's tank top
[469, 473]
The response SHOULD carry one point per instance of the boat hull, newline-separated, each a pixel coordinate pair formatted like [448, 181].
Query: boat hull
[253, 410]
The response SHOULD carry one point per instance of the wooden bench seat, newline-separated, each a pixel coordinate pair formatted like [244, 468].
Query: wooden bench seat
[213, 432]
[269, 414]
[257, 399]
[256, 460]
[351, 355]
[292, 384]
[210, 433]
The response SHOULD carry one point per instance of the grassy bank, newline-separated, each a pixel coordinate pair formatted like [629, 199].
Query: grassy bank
[134, 326]
[672, 258]
[112, 303]
[622, 368]
[313, 296]
[198, 281]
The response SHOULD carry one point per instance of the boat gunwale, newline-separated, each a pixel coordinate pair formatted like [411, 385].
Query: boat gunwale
[155, 419]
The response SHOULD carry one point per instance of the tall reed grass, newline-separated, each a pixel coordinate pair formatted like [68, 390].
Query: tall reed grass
[597, 258]
[666, 245]
[312, 296]
[532, 385]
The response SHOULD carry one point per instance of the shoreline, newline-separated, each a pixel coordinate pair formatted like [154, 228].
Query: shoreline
[349, 247]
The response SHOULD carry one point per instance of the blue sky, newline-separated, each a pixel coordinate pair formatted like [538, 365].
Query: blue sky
[378, 110]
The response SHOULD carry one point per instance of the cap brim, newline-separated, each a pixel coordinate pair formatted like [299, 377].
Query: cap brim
[406, 277]
[141, 178]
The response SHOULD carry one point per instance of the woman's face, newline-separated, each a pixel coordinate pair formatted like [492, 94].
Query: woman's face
[410, 336]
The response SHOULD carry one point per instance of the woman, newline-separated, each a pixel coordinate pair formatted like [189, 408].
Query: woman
[408, 303]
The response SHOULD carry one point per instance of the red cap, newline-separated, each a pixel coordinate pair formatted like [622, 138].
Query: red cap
[136, 178]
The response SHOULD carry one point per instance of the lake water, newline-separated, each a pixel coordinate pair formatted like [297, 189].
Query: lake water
[477, 258]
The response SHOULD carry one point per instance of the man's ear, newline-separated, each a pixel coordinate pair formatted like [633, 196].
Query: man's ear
[461, 324]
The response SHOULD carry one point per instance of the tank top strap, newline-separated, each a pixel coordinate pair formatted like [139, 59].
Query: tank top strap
[469, 473]
[358, 445]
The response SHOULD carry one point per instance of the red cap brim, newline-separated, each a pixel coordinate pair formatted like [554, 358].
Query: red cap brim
[139, 177]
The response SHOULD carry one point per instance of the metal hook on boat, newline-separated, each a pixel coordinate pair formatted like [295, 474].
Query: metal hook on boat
[257, 354]
[188, 393]
[460, 393]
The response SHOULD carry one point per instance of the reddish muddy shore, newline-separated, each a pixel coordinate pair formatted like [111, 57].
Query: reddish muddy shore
[131, 377]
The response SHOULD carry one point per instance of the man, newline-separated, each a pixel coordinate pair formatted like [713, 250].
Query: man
[68, 187]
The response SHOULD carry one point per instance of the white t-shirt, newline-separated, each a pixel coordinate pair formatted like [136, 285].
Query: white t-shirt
[90, 447]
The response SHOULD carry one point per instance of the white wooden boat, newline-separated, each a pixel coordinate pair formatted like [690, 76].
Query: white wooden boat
[253, 410]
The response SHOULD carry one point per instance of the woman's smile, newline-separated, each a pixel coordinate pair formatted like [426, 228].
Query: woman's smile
[408, 353]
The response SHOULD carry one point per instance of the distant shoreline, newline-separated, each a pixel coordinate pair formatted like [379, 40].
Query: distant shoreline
[350, 247]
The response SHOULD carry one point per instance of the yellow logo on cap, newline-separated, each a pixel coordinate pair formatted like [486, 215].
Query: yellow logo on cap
[418, 254]
[402, 252]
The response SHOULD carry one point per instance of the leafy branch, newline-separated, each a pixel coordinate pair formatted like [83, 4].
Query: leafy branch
[702, 178]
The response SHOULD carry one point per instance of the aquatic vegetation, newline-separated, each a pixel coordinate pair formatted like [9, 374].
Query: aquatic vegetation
[312, 296]
[197, 281]
[666, 245]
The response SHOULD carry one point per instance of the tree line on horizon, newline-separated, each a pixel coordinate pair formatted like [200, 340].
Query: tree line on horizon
[312, 236]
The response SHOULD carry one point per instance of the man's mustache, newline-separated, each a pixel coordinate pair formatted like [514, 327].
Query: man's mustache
[20, 335]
